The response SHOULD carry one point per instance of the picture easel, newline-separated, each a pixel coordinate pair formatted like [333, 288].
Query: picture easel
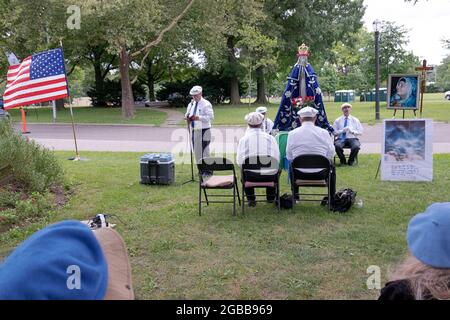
[403, 117]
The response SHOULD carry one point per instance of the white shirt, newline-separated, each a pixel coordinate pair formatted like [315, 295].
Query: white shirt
[256, 142]
[309, 139]
[204, 111]
[355, 128]
[267, 125]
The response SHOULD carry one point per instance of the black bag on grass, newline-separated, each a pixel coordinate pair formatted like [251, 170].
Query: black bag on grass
[286, 201]
[343, 200]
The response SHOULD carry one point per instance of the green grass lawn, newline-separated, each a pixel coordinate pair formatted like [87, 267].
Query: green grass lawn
[434, 107]
[308, 253]
[91, 115]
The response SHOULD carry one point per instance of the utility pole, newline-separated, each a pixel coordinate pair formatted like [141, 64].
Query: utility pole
[376, 25]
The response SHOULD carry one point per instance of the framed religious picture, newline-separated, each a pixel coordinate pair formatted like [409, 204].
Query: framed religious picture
[407, 150]
[403, 91]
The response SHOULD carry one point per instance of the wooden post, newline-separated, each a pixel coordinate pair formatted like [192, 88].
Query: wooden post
[423, 79]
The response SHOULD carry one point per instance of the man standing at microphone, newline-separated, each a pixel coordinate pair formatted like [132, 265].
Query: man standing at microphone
[199, 115]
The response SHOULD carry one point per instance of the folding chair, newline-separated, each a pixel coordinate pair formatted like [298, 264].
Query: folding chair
[260, 172]
[347, 155]
[215, 164]
[311, 171]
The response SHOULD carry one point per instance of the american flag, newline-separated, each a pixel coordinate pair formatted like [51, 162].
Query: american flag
[40, 77]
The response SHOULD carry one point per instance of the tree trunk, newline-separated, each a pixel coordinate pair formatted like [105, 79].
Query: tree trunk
[260, 86]
[99, 88]
[234, 80]
[170, 70]
[234, 91]
[60, 104]
[150, 80]
[127, 92]
[151, 90]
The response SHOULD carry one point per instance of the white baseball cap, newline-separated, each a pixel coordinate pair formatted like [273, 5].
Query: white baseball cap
[261, 109]
[195, 90]
[307, 112]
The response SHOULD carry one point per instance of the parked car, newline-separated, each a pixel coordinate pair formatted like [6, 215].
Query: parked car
[447, 95]
[4, 115]
[139, 101]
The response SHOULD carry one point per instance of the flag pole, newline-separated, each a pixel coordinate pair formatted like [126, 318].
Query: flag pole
[77, 156]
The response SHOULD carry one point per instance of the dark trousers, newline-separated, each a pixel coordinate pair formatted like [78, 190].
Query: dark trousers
[353, 144]
[200, 143]
[270, 194]
[332, 184]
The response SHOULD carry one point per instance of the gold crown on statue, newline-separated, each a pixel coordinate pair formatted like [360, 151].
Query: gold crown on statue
[303, 50]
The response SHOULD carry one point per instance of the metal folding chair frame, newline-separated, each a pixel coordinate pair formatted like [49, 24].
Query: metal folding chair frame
[217, 164]
[326, 176]
[255, 163]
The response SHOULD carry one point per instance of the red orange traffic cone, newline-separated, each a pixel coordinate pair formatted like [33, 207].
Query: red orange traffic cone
[24, 122]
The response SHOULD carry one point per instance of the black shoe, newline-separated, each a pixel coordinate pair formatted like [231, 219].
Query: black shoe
[351, 164]
[270, 200]
[252, 203]
[344, 162]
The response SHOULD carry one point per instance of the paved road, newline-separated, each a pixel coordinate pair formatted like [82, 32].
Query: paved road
[141, 138]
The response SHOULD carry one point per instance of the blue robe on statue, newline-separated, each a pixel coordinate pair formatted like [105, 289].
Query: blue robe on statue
[302, 81]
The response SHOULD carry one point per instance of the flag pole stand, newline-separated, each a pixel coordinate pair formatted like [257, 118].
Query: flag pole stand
[77, 155]
[24, 122]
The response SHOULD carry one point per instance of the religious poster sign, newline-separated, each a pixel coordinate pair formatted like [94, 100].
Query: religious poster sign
[403, 91]
[407, 150]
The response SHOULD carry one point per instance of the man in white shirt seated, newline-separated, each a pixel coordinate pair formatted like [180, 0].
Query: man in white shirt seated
[310, 139]
[256, 142]
[347, 129]
[267, 124]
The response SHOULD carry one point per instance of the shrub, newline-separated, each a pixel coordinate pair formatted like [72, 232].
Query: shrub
[34, 168]
[8, 217]
[34, 171]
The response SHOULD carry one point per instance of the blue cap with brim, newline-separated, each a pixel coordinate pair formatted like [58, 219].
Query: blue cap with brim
[428, 235]
[62, 261]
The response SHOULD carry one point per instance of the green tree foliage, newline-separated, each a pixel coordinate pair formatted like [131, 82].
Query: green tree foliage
[258, 53]
[443, 74]
[393, 56]
[221, 32]
[329, 78]
[347, 57]
[317, 23]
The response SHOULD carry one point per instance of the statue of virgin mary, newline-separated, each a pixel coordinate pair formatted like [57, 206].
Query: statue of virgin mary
[302, 90]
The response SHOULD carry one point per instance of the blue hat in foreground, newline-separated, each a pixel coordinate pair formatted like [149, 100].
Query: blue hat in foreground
[428, 235]
[68, 260]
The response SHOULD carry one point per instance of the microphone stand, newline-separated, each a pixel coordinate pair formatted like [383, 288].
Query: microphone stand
[192, 153]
